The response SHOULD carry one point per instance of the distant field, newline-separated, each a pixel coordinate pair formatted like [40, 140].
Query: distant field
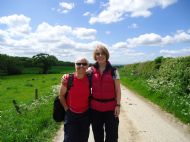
[22, 87]
[35, 122]
[53, 70]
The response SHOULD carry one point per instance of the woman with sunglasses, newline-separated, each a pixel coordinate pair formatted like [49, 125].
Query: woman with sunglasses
[76, 105]
[106, 96]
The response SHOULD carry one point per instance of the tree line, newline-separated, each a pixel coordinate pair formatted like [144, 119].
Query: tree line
[15, 65]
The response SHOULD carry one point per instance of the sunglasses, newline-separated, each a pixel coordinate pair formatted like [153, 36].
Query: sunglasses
[83, 64]
[98, 54]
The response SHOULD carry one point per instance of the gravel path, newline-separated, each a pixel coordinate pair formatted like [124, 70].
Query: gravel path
[142, 121]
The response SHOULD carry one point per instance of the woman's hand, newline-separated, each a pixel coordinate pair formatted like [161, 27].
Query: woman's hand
[89, 70]
[117, 111]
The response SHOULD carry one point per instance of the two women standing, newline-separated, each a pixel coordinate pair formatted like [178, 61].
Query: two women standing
[104, 103]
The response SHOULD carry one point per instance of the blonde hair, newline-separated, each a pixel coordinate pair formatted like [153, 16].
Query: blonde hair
[103, 50]
[81, 58]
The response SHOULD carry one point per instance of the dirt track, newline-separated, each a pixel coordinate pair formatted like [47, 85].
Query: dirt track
[141, 121]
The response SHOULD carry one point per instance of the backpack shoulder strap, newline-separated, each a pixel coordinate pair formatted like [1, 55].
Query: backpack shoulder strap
[113, 70]
[89, 76]
[69, 83]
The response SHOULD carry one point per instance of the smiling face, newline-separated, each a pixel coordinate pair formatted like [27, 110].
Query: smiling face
[81, 65]
[101, 54]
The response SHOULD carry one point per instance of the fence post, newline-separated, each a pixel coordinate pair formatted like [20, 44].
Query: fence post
[36, 94]
[16, 106]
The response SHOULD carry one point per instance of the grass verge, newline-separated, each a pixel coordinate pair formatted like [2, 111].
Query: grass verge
[176, 105]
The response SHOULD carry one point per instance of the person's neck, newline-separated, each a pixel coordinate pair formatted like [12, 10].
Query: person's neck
[79, 75]
[102, 66]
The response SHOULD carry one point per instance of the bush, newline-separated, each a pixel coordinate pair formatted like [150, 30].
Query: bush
[169, 80]
[14, 70]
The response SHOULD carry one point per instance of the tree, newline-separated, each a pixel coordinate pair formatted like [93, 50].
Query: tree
[26, 61]
[158, 62]
[3, 63]
[44, 61]
[10, 65]
[14, 65]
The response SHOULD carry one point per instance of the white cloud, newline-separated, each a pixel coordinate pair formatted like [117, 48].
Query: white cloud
[116, 10]
[143, 13]
[126, 56]
[152, 39]
[84, 33]
[53, 31]
[18, 25]
[182, 37]
[65, 7]
[15, 20]
[107, 17]
[86, 14]
[167, 40]
[89, 1]
[133, 26]
[120, 45]
[166, 3]
[175, 53]
[60, 40]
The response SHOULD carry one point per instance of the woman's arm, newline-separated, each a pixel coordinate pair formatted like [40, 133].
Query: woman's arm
[62, 93]
[118, 94]
[118, 91]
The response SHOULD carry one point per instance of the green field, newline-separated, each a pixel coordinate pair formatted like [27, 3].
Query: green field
[22, 88]
[35, 122]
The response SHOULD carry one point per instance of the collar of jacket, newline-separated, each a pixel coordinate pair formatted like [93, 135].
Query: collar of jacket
[108, 66]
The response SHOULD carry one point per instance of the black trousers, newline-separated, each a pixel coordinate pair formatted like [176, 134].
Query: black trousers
[104, 122]
[76, 127]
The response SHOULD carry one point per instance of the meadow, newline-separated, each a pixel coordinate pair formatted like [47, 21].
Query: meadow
[35, 122]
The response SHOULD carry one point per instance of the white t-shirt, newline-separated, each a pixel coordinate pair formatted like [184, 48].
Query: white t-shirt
[116, 75]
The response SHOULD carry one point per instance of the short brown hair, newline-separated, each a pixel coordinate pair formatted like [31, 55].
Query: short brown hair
[103, 50]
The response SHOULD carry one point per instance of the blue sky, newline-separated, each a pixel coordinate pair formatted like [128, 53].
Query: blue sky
[132, 30]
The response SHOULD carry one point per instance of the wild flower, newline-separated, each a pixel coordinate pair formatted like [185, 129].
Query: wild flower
[170, 79]
[55, 89]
